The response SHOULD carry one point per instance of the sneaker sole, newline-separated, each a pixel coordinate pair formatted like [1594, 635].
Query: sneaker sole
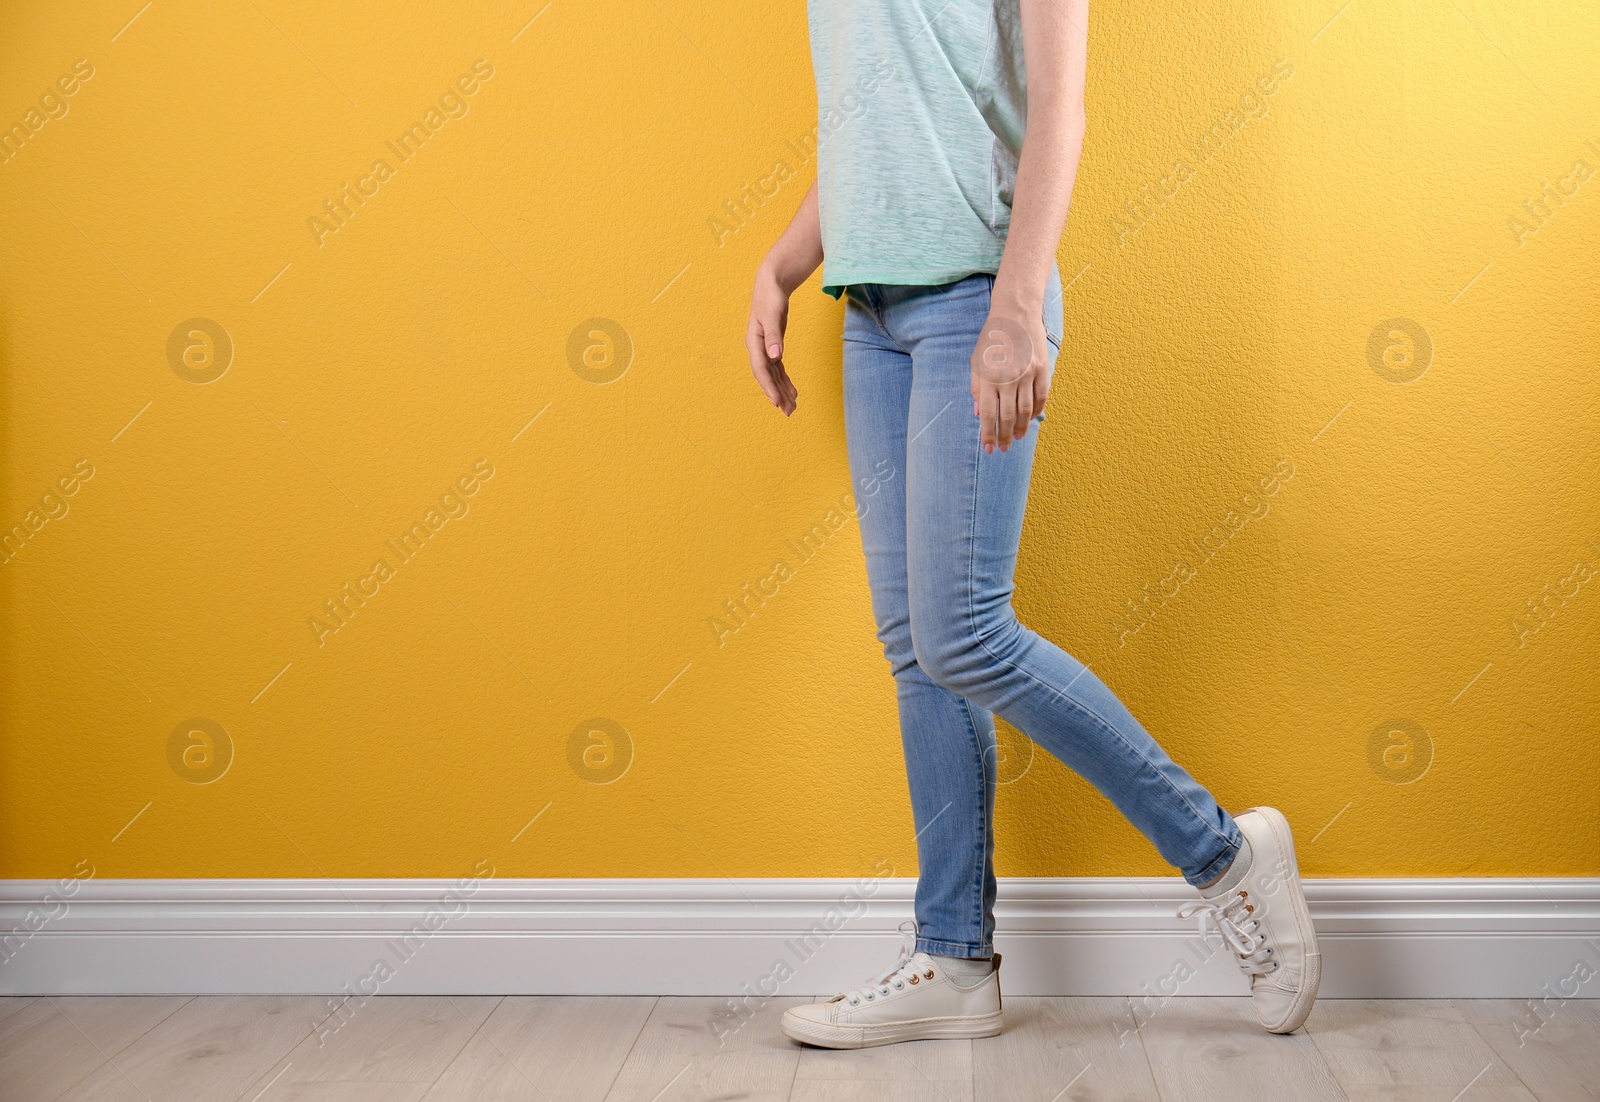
[867, 1036]
[1311, 976]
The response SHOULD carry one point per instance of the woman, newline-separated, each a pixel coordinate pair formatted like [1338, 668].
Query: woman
[938, 224]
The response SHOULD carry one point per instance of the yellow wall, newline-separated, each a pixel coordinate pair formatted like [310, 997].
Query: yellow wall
[1211, 336]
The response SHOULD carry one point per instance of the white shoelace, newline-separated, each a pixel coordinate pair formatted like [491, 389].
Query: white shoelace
[1232, 919]
[894, 977]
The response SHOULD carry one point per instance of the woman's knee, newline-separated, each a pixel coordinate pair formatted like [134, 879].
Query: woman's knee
[951, 654]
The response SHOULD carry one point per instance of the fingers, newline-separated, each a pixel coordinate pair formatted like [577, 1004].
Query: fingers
[1006, 415]
[1024, 409]
[988, 417]
[758, 363]
[769, 314]
[768, 369]
[786, 387]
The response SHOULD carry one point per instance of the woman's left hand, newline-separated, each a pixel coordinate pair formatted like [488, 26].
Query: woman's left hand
[1010, 375]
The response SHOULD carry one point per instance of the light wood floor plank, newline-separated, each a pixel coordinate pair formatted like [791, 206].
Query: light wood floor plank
[48, 1046]
[914, 1071]
[680, 1056]
[1063, 1049]
[372, 1091]
[1402, 1049]
[414, 1049]
[10, 1004]
[1214, 1050]
[881, 1090]
[1555, 1051]
[385, 1039]
[113, 1022]
[210, 1048]
[536, 1048]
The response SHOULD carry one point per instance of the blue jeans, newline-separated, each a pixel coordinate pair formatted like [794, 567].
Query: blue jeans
[940, 524]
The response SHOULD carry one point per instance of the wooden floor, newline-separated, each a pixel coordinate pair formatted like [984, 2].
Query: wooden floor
[562, 1049]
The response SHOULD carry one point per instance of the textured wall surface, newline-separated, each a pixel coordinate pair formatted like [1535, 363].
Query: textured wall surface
[281, 283]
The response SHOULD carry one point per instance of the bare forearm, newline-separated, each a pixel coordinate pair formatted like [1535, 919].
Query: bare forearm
[1055, 49]
[798, 250]
[1045, 176]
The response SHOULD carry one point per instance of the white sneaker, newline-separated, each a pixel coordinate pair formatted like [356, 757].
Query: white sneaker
[1264, 920]
[912, 1000]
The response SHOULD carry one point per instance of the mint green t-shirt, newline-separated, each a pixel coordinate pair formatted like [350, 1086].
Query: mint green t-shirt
[921, 106]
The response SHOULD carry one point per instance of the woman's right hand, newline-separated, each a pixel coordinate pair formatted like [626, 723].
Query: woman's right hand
[763, 337]
[795, 255]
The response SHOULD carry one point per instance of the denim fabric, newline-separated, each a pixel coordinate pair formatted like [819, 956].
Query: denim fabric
[940, 524]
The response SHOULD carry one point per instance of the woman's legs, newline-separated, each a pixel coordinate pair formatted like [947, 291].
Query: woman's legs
[949, 742]
[941, 535]
[964, 513]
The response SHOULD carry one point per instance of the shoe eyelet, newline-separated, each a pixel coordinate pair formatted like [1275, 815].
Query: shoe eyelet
[928, 974]
[915, 979]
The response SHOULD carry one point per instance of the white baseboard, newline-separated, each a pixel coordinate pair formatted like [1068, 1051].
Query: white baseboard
[1380, 938]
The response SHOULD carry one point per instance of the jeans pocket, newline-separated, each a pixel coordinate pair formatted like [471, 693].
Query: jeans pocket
[1053, 321]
